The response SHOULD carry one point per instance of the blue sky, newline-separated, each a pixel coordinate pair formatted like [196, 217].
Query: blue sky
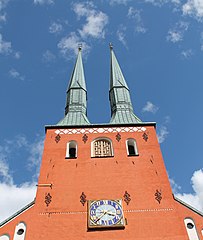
[159, 45]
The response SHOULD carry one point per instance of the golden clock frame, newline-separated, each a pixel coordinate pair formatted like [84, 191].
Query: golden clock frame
[120, 224]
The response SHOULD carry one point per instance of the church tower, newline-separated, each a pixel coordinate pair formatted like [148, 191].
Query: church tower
[103, 181]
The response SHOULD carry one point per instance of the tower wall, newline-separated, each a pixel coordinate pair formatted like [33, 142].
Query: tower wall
[104, 177]
[60, 211]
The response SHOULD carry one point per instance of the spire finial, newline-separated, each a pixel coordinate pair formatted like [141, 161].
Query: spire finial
[79, 46]
[111, 46]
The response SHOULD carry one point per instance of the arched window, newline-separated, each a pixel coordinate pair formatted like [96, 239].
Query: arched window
[71, 150]
[4, 237]
[191, 229]
[131, 147]
[20, 231]
[102, 147]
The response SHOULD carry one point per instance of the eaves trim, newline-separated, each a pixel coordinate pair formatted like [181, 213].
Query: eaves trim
[188, 206]
[17, 213]
[101, 125]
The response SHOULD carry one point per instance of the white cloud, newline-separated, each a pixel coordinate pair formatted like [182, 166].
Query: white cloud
[136, 15]
[35, 151]
[95, 20]
[121, 35]
[201, 41]
[174, 36]
[176, 1]
[150, 107]
[176, 33]
[13, 198]
[41, 2]
[3, 4]
[3, 17]
[69, 45]
[94, 27]
[167, 119]
[162, 134]
[15, 74]
[17, 55]
[159, 3]
[193, 8]
[4, 170]
[123, 2]
[5, 47]
[19, 141]
[55, 28]
[48, 56]
[83, 9]
[175, 187]
[194, 199]
[5, 151]
[186, 54]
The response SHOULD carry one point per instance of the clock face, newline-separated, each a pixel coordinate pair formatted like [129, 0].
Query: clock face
[105, 213]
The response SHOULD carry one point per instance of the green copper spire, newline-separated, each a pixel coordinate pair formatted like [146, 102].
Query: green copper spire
[121, 106]
[76, 102]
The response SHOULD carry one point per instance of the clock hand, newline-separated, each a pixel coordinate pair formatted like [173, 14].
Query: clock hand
[110, 213]
[105, 212]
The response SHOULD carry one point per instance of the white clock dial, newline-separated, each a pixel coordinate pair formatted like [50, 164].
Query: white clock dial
[106, 213]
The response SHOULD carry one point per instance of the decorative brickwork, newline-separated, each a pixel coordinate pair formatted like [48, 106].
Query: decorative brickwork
[145, 136]
[100, 130]
[118, 137]
[127, 198]
[57, 138]
[158, 196]
[85, 138]
[48, 198]
[83, 199]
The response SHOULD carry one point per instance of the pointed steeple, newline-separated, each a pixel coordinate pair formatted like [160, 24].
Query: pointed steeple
[76, 102]
[121, 106]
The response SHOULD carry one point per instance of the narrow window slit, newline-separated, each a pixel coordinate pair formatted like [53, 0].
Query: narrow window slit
[131, 147]
[71, 151]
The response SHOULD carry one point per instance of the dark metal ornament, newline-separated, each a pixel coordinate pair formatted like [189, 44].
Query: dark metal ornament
[83, 199]
[57, 138]
[158, 196]
[118, 137]
[48, 198]
[127, 198]
[85, 138]
[145, 137]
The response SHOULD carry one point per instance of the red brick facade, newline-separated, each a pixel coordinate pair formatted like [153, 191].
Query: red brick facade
[65, 185]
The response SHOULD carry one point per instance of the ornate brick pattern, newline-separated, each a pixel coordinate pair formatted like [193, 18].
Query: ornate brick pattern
[57, 138]
[85, 138]
[118, 137]
[48, 198]
[145, 136]
[127, 198]
[83, 199]
[158, 196]
[100, 130]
